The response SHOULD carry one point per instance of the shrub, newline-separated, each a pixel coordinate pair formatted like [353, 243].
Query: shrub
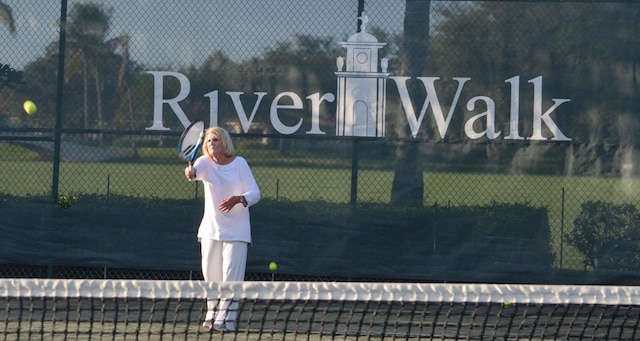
[607, 235]
[493, 243]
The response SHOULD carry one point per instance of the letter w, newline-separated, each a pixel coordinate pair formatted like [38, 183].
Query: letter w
[431, 99]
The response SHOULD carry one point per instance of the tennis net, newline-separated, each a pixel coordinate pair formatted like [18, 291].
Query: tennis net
[175, 310]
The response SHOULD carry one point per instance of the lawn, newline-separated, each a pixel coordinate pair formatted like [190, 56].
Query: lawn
[158, 173]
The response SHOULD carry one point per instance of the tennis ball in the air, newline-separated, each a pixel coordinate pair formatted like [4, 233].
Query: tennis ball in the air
[30, 107]
[273, 266]
[507, 304]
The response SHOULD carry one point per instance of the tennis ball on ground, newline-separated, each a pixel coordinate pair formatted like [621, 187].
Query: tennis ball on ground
[273, 266]
[29, 107]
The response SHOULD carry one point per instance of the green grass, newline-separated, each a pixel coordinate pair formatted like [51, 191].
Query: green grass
[158, 173]
[12, 152]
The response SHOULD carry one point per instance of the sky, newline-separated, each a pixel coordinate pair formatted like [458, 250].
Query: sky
[178, 33]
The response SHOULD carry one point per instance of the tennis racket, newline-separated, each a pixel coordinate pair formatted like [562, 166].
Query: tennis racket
[190, 142]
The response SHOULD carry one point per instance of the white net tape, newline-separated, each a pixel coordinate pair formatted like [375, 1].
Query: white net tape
[373, 292]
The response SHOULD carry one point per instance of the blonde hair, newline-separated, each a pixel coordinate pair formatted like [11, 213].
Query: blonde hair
[224, 137]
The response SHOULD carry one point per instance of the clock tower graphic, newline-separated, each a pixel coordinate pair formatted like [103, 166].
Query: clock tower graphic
[361, 94]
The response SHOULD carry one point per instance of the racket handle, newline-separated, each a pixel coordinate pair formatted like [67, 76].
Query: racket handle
[190, 169]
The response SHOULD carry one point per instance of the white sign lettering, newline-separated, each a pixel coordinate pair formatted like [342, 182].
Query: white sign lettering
[291, 101]
[432, 99]
[159, 100]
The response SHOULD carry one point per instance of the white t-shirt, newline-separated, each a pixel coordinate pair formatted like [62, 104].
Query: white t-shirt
[220, 182]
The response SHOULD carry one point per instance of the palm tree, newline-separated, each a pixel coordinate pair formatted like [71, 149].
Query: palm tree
[7, 74]
[408, 183]
[86, 46]
[6, 17]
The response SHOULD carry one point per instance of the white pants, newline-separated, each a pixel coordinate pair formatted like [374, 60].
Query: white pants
[223, 262]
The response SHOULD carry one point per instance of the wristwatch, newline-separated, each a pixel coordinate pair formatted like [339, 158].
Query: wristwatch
[243, 201]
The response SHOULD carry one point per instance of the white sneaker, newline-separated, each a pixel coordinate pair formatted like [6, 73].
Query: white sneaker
[208, 324]
[224, 327]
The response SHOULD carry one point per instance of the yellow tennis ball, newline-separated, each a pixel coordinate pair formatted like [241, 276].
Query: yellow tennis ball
[273, 266]
[30, 107]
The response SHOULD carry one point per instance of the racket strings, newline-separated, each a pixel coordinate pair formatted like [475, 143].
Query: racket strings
[191, 140]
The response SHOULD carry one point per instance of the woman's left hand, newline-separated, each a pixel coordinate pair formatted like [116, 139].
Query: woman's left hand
[227, 204]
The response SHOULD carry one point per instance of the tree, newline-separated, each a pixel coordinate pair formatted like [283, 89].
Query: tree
[408, 182]
[91, 57]
[8, 75]
[608, 236]
[6, 17]
[586, 53]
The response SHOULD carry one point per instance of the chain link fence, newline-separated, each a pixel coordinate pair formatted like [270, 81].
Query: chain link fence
[106, 128]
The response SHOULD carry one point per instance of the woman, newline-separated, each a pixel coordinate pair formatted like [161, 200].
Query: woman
[225, 230]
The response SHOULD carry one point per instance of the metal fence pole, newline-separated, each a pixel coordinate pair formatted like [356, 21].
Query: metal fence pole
[354, 173]
[59, 100]
[562, 229]
[360, 10]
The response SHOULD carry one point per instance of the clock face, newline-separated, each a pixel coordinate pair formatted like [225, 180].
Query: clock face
[362, 57]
